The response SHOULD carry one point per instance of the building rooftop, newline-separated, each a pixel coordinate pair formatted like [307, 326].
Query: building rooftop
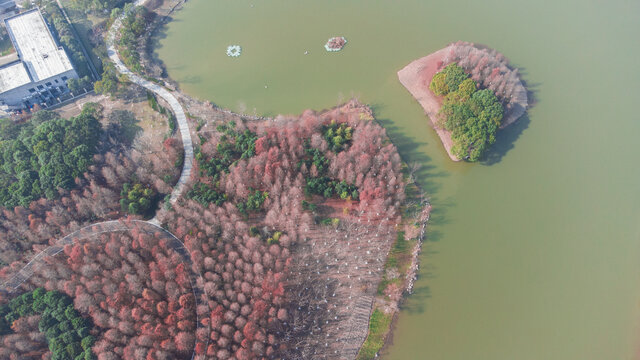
[12, 76]
[36, 47]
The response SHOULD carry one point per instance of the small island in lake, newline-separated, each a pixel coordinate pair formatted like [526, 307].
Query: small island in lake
[335, 43]
[469, 92]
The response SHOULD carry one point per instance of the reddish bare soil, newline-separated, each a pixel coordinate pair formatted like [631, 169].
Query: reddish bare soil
[416, 77]
[487, 67]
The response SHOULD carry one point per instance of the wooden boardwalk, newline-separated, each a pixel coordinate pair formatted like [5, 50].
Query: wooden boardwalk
[358, 328]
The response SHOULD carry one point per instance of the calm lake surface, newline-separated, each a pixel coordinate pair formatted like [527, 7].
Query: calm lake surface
[534, 254]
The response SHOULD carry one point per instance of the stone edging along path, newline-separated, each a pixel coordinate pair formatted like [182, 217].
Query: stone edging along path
[92, 230]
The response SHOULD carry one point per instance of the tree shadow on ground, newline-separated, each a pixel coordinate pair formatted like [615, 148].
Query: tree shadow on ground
[128, 125]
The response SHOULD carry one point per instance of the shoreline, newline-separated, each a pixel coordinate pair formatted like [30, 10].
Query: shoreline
[499, 77]
[411, 261]
[415, 77]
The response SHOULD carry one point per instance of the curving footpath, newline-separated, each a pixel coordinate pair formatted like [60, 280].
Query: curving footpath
[181, 118]
[152, 225]
[91, 232]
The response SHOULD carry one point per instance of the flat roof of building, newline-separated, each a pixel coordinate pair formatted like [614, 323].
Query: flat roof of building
[35, 45]
[12, 76]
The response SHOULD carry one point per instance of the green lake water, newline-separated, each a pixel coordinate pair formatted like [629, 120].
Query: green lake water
[534, 254]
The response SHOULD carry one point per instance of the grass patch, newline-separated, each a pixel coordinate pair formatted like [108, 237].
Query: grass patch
[378, 326]
[385, 282]
[6, 47]
[399, 249]
[329, 222]
[398, 255]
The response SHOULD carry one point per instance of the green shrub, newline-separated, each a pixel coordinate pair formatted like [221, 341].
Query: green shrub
[233, 145]
[253, 231]
[254, 201]
[46, 156]
[472, 116]
[337, 135]
[328, 188]
[275, 238]
[438, 86]
[137, 199]
[309, 206]
[206, 194]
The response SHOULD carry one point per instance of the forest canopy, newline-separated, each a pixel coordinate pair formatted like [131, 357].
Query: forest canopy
[66, 331]
[472, 116]
[46, 154]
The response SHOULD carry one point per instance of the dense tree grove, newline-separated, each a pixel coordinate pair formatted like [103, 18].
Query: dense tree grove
[94, 194]
[67, 333]
[491, 70]
[77, 86]
[254, 201]
[48, 153]
[245, 260]
[472, 116]
[337, 135]
[136, 289]
[137, 199]
[205, 194]
[326, 187]
[232, 146]
[134, 25]
[109, 83]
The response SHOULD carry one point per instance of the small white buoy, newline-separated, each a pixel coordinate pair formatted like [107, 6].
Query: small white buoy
[306, 52]
[234, 50]
[265, 86]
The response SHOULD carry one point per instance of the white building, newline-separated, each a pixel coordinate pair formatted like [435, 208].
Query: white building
[39, 69]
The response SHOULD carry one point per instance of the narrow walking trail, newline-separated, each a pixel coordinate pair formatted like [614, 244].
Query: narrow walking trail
[177, 109]
[119, 225]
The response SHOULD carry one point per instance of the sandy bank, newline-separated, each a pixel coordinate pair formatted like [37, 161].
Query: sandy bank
[416, 77]
[486, 66]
